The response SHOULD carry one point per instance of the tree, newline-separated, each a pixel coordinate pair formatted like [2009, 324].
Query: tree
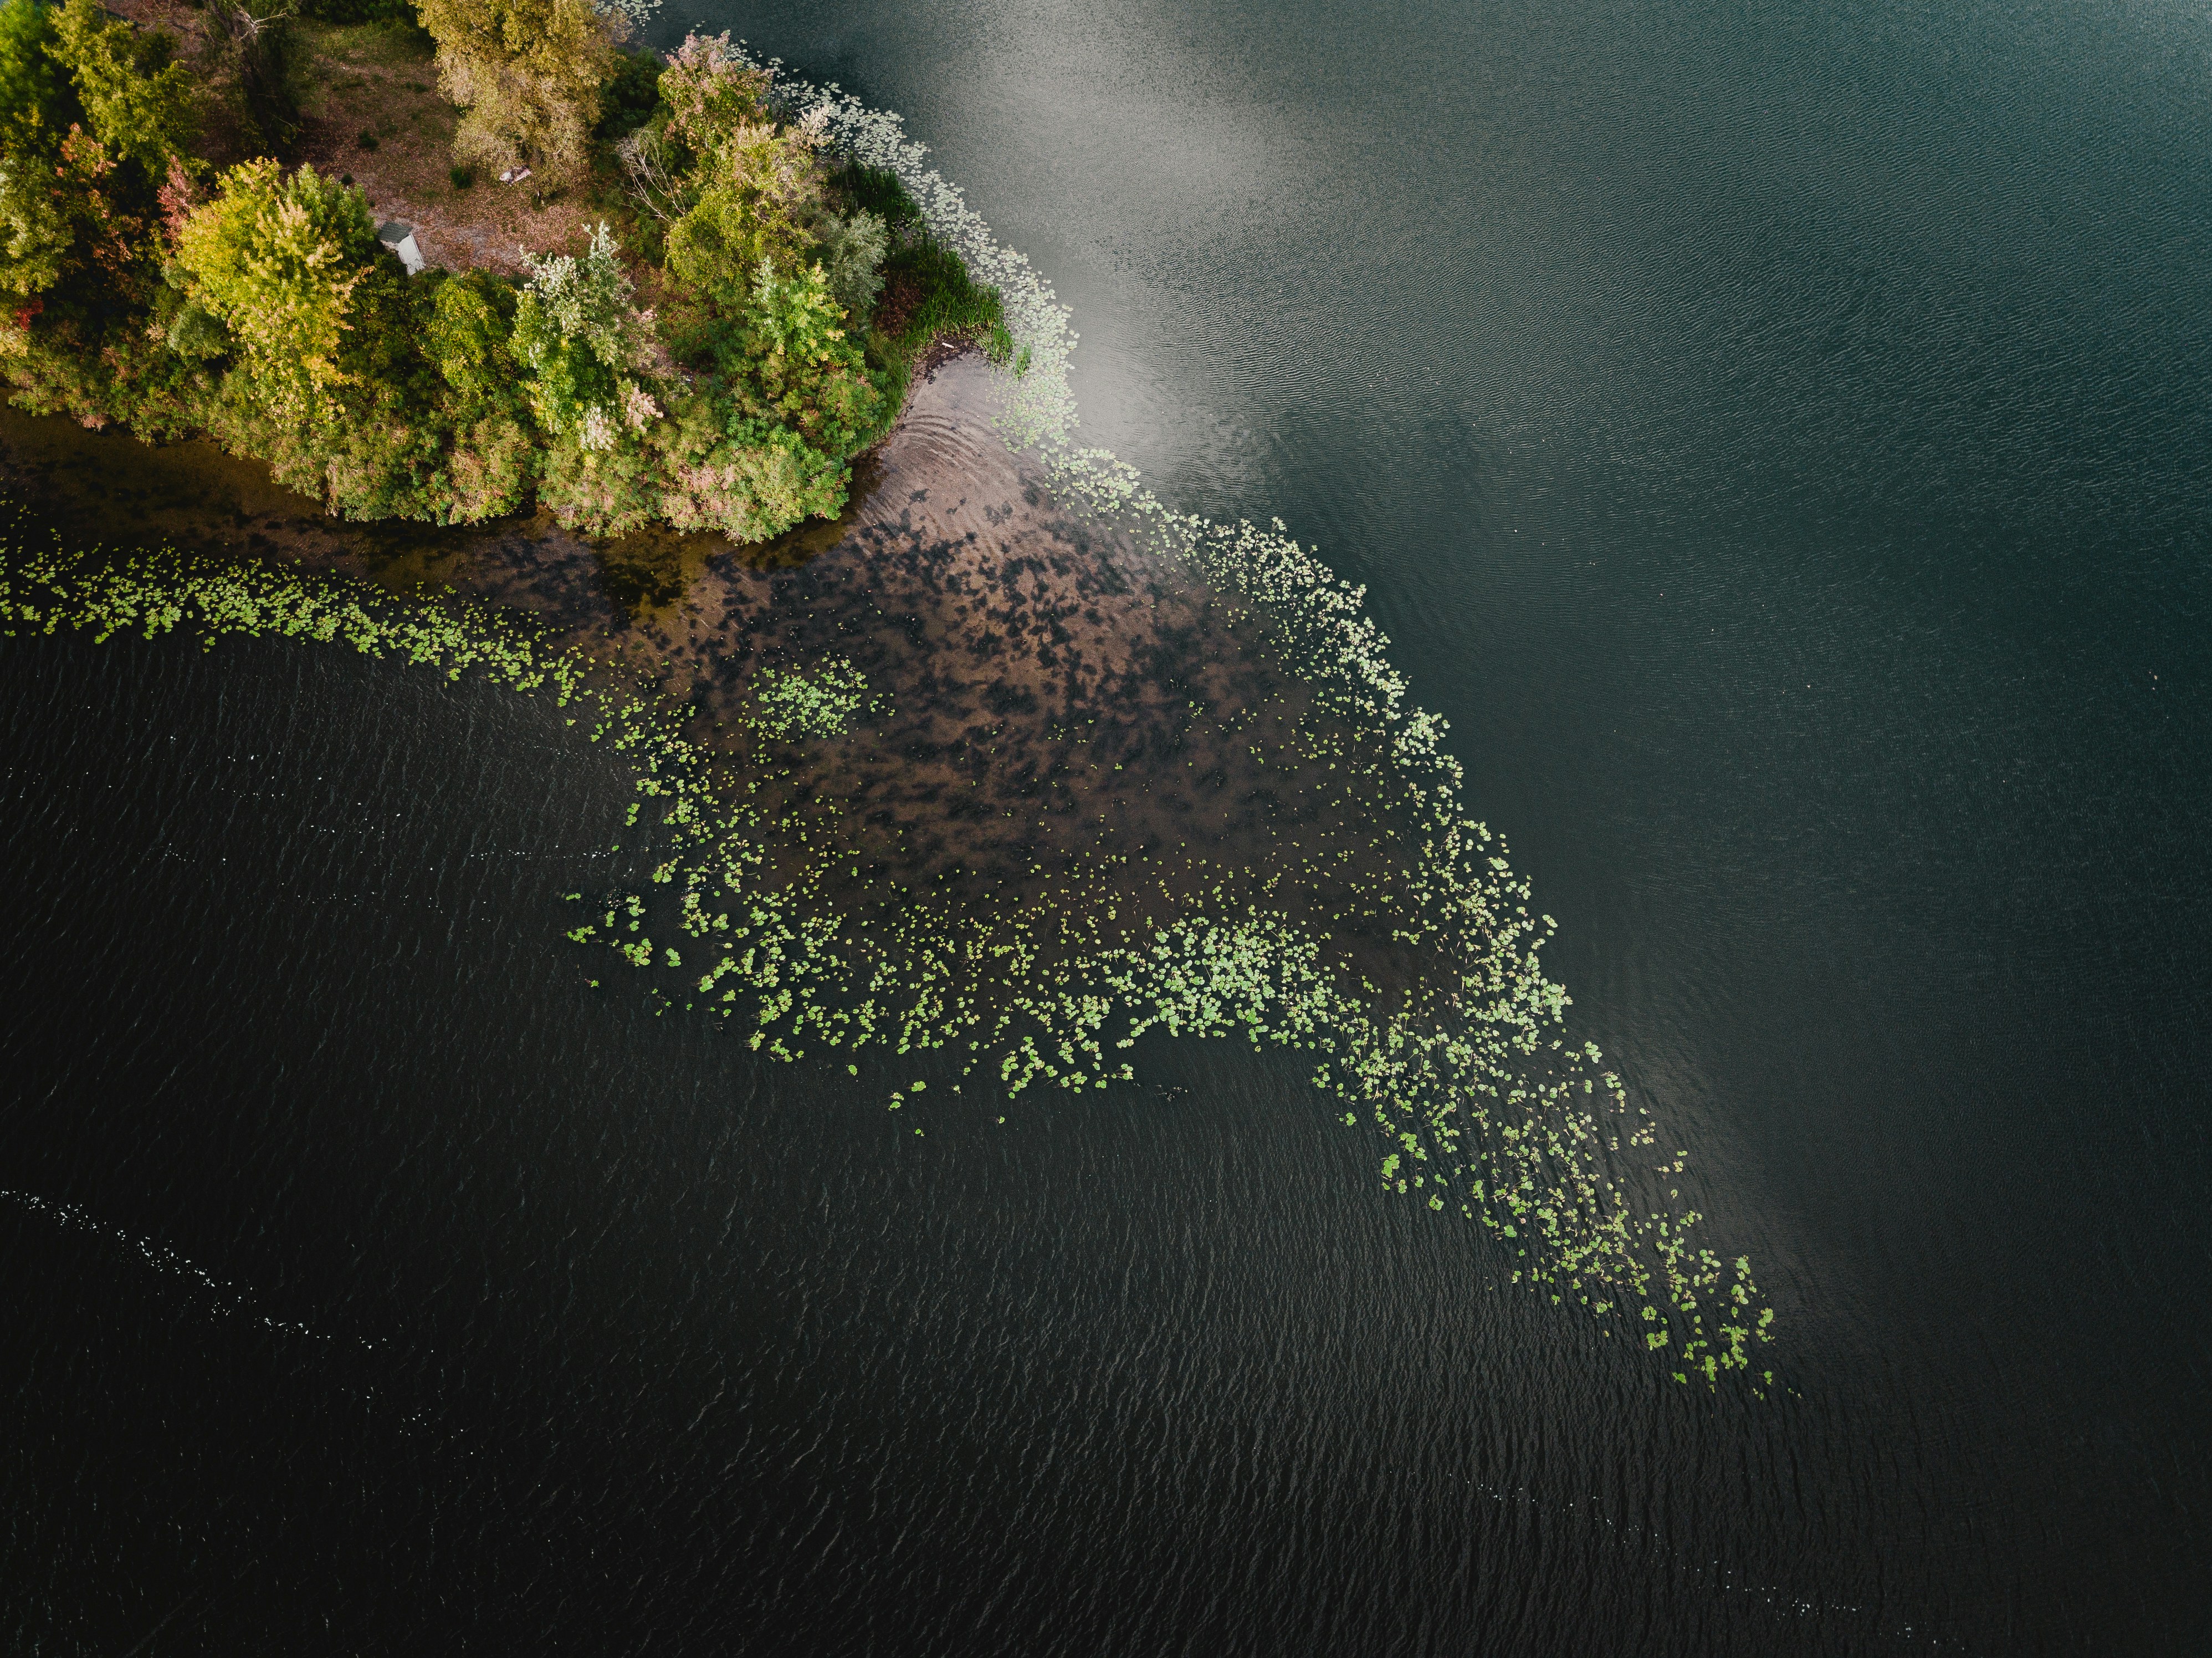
[92, 115]
[790, 362]
[764, 444]
[277, 260]
[471, 335]
[852, 248]
[709, 91]
[37, 101]
[138, 101]
[527, 74]
[732, 229]
[739, 190]
[583, 342]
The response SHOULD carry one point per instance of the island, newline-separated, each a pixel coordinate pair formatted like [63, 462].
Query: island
[443, 269]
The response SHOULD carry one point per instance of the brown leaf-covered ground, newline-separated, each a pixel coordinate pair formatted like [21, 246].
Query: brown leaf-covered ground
[379, 80]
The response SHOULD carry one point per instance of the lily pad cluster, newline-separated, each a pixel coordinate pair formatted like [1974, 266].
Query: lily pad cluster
[1483, 1105]
[817, 701]
[1495, 1113]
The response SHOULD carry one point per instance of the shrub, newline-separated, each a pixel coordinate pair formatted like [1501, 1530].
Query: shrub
[938, 297]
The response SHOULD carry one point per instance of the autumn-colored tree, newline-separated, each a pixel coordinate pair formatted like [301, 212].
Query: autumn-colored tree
[277, 260]
[527, 74]
[92, 114]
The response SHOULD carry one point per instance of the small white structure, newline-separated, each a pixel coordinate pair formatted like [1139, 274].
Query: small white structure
[399, 237]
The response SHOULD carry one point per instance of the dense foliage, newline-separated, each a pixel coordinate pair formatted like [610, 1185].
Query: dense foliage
[255, 303]
[526, 74]
[275, 259]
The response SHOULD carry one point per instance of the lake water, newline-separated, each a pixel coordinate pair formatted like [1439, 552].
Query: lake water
[1780, 441]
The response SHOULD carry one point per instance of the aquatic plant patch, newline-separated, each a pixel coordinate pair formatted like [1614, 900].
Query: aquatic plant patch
[1485, 1107]
[818, 700]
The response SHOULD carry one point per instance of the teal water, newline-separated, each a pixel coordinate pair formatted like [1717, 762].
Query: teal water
[1777, 439]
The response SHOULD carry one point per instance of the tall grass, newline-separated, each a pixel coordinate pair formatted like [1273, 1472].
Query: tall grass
[928, 294]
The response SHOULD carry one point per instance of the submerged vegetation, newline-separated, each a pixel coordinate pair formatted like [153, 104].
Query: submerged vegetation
[161, 282]
[820, 701]
[1487, 1109]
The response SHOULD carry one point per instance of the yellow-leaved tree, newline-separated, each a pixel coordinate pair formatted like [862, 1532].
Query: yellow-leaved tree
[527, 74]
[276, 260]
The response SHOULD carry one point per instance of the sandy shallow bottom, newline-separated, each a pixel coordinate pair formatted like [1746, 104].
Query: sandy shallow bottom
[1055, 708]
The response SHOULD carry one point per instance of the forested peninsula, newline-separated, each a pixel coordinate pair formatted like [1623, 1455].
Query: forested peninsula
[992, 784]
[716, 316]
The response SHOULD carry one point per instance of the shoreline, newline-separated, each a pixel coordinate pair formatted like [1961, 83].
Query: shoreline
[1063, 702]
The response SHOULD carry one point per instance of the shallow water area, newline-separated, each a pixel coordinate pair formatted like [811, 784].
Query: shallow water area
[1052, 711]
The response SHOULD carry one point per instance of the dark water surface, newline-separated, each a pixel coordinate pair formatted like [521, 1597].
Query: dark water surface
[1777, 439]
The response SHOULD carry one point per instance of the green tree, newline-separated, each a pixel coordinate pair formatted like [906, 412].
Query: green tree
[764, 443]
[527, 74]
[137, 100]
[851, 247]
[789, 361]
[37, 101]
[583, 344]
[471, 335]
[757, 188]
[277, 260]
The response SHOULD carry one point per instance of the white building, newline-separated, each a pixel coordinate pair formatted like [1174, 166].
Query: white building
[399, 237]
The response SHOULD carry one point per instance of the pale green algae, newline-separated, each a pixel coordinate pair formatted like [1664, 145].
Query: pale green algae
[1490, 1110]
